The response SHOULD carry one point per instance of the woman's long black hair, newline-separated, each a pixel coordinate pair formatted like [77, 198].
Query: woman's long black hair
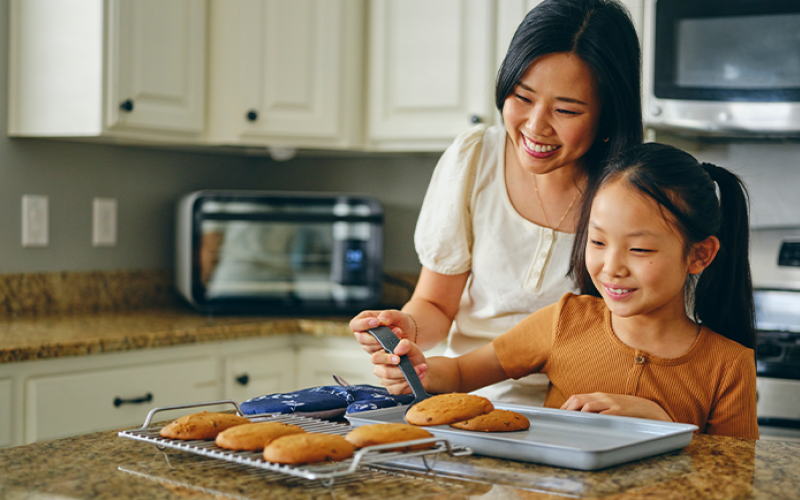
[601, 34]
[704, 200]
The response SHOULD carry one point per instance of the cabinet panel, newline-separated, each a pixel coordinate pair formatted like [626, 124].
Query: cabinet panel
[291, 54]
[255, 374]
[430, 68]
[63, 405]
[5, 412]
[157, 64]
[316, 365]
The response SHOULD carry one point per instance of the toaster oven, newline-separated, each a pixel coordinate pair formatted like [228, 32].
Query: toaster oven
[269, 252]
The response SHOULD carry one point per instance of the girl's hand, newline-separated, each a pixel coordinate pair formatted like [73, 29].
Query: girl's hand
[399, 322]
[616, 404]
[389, 373]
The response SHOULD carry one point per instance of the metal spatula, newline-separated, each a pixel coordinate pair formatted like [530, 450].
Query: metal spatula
[388, 340]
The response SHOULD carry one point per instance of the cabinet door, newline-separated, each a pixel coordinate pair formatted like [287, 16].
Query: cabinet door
[156, 65]
[77, 403]
[259, 373]
[316, 366]
[430, 69]
[509, 14]
[5, 412]
[291, 67]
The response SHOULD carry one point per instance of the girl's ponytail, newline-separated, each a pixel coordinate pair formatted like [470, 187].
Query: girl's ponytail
[723, 297]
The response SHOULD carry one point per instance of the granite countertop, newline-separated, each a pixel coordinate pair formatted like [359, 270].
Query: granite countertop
[106, 466]
[42, 337]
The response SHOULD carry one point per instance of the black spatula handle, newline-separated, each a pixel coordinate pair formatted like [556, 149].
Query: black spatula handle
[388, 340]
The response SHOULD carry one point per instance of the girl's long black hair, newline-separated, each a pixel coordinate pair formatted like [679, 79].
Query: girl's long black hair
[601, 34]
[704, 200]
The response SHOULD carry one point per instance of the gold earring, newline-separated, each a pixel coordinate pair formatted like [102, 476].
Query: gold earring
[606, 139]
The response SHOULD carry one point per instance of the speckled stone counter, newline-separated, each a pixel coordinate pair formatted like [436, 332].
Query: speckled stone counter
[105, 466]
[24, 339]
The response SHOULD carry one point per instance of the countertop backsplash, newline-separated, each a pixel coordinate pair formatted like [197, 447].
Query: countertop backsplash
[67, 293]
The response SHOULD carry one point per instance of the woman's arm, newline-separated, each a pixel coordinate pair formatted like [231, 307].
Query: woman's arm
[439, 374]
[432, 306]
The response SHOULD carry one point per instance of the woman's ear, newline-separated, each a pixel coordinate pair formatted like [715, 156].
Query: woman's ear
[703, 254]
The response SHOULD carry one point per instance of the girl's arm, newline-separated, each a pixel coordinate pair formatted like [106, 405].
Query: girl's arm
[616, 404]
[439, 374]
[425, 319]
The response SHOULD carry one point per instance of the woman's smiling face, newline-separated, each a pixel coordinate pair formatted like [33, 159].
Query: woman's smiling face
[552, 115]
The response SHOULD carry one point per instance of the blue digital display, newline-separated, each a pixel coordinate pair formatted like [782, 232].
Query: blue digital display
[354, 258]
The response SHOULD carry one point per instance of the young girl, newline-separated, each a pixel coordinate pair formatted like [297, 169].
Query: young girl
[661, 231]
[569, 94]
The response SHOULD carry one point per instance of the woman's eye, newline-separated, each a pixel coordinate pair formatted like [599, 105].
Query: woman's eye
[567, 112]
[521, 98]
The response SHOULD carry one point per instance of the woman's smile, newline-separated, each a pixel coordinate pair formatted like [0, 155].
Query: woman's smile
[537, 149]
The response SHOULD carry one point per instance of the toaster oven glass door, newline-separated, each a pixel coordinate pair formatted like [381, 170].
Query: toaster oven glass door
[313, 254]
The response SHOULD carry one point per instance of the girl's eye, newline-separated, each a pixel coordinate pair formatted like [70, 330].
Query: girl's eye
[596, 243]
[641, 250]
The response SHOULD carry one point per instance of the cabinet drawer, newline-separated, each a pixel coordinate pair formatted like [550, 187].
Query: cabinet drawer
[77, 403]
[5, 412]
[259, 373]
[316, 366]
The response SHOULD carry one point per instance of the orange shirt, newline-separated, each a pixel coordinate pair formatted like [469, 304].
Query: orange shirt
[712, 385]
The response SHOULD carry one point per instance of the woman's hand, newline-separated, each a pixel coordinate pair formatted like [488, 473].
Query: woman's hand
[399, 322]
[616, 404]
[389, 373]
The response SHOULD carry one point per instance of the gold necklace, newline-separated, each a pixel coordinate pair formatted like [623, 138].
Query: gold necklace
[536, 187]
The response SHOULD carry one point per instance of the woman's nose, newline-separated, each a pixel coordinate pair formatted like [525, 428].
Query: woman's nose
[539, 122]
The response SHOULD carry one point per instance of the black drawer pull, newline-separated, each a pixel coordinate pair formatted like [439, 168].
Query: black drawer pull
[118, 401]
[243, 379]
[126, 105]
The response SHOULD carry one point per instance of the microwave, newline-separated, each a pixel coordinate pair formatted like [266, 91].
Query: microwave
[277, 253]
[722, 67]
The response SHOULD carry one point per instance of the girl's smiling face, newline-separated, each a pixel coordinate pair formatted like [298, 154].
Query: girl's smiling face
[551, 116]
[635, 257]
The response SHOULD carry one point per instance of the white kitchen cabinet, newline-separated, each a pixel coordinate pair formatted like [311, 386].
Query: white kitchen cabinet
[431, 73]
[5, 412]
[61, 405]
[319, 359]
[130, 69]
[257, 373]
[286, 73]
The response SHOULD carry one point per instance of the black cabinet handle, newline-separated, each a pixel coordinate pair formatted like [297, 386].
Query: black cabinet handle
[127, 105]
[475, 119]
[252, 115]
[118, 401]
[243, 379]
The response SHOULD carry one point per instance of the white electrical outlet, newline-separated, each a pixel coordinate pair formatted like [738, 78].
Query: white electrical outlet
[34, 221]
[104, 222]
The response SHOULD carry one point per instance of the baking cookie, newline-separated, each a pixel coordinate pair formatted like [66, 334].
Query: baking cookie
[370, 435]
[203, 425]
[447, 409]
[495, 421]
[307, 448]
[252, 437]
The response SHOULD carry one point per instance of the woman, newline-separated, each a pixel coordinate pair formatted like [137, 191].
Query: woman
[497, 225]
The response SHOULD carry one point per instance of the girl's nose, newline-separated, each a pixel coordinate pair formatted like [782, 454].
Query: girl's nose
[539, 122]
[614, 264]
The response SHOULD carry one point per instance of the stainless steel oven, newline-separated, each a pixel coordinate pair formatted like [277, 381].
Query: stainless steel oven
[722, 67]
[775, 261]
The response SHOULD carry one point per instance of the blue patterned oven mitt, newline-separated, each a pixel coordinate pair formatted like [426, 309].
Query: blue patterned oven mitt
[329, 399]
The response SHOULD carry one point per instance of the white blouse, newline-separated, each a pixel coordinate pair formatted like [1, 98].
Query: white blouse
[467, 223]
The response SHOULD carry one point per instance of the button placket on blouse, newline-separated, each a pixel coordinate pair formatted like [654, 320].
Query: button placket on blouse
[639, 362]
[540, 258]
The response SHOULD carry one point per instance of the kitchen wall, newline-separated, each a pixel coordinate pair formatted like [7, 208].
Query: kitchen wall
[148, 181]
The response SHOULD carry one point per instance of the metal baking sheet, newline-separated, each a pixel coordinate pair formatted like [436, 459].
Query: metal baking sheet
[560, 438]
